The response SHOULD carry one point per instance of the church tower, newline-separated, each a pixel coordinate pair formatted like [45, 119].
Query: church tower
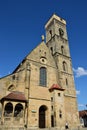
[40, 93]
[57, 42]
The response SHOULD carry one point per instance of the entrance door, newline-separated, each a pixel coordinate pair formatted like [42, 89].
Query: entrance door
[42, 115]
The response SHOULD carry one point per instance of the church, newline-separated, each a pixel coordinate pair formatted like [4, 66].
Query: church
[40, 92]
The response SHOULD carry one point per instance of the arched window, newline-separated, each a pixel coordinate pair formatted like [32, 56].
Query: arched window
[18, 112]
[43, 76]
[62, 49]
[8, 109]
[64, 66]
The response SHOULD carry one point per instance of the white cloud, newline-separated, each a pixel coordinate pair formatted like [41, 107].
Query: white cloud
[78, 92]
[80, 71]
[81, 105]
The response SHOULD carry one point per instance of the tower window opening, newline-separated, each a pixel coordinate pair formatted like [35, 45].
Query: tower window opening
[51, 48]
[62, 49]
[64, 66]
[61, 32]
[60, 114]
[50, 33]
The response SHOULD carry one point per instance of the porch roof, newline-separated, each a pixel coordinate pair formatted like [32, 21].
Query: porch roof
[16, 96]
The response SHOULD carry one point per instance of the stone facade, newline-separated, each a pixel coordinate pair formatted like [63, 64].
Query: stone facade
[45, 78]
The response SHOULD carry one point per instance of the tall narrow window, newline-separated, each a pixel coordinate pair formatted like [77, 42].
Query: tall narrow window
[64, 66]
[51, 48]
[50, 33]
[60, 113]
[59, 94]
[51, 99]
[62, 49]
[66, 82]
[43, 76]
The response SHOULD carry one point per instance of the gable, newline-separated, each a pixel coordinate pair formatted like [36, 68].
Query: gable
[41, 54]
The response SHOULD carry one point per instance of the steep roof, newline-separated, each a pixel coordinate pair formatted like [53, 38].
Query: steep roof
[34, 56]
[42, 51]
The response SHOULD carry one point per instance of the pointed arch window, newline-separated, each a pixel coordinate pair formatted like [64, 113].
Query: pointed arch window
[64, 66]
[62, 49]
[43, 76]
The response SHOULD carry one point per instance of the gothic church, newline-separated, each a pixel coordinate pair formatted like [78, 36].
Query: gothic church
[40, 93]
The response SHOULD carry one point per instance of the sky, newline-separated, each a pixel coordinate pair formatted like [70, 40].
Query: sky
[22, 24]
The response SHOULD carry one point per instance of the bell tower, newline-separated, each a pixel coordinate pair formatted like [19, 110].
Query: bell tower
[57, 42]
[56, 35]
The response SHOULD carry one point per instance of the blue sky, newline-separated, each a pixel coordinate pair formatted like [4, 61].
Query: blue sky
[22, 24]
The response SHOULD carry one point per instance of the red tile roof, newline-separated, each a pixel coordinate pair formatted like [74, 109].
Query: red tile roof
[83, 113]
[18, 96]
[56, 86]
